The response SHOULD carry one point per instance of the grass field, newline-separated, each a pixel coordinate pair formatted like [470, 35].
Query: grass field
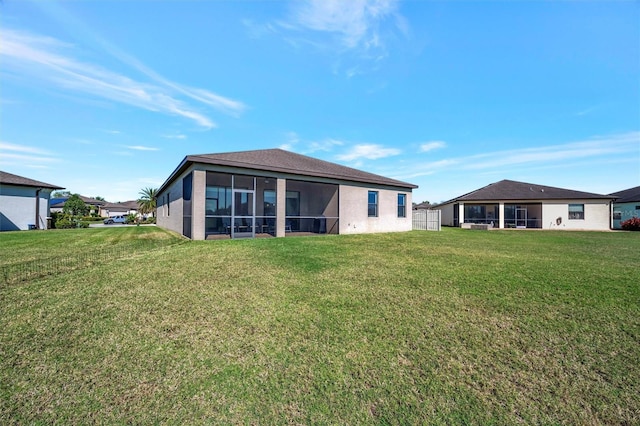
[455, 327]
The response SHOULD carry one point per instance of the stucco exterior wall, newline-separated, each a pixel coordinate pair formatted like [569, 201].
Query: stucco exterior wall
[18, 207]
[170, 216]
[354, 217]
[596, 215]
[446, 212]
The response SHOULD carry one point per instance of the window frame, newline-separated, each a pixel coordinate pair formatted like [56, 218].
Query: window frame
[402, 206]
[576, 214]
[373, 205]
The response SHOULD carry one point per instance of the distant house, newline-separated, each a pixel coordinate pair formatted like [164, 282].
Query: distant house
[124, 208]
[57, 204]
[24, 202]
[625, 206]
[276, 192]
[511, 204]
[423, 206]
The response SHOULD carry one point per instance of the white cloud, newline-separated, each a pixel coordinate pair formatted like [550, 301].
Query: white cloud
[368, 151]
[355, 22]
[47, 60]
[176, 136]
[432, 145]
[324, 145]
[292, 140]
[356, 34]
[5, 146]
[27, 156]
[597, 148]
[141, 148]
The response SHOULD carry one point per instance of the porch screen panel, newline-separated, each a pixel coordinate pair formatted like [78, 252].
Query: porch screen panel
[312, 207]
[266, 205]
[218, 199]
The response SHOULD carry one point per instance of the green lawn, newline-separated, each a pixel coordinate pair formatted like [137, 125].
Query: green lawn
[455, 327]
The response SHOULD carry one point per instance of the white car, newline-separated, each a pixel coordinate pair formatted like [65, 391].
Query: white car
[115, 219]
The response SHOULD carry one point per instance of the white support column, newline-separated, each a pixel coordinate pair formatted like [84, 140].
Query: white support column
[460, 214]
[501, 214]
[281, 207]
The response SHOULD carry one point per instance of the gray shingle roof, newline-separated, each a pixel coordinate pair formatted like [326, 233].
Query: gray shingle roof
[125, 205]
[513, 190]
[281, 161]
[631, 195]
[11, 179]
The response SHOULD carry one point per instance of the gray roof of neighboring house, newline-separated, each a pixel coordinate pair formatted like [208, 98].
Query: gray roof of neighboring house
[126, 205]
[87, 200]
[631, 195]
[11, 179]
[423, 206]
[513, 190]
[281, 161]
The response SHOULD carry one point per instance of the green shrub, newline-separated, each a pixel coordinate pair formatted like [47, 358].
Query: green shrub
[632, 224]
[64, 222]
[92, 218]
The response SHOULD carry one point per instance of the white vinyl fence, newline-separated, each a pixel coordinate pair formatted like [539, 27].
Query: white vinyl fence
[426, 220]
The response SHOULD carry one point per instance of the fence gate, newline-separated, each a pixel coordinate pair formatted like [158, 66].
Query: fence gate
[426, 220]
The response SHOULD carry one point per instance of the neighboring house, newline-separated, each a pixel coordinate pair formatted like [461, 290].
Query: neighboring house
[275, 192]
[625, 206]
[423, 206]
[57, 204]
[24, 202]
[124, 208]
[511, 204]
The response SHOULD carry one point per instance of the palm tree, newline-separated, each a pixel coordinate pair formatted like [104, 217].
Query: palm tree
[147, 200]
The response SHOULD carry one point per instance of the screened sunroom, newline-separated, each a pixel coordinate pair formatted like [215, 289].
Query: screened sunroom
[246, 206]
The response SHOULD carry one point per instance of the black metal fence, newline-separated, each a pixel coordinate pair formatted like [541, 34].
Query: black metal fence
[66, 262]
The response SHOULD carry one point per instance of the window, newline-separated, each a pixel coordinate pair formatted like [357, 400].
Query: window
[617, 215]
[576, 211]
[168, 204]
[402, 205]
[373, 203]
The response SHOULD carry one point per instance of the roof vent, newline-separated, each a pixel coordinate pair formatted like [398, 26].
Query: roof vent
[542, 190]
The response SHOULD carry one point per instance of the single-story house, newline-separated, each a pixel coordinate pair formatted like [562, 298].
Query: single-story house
[57, 204]
[625, 206]
[124, 208]
[277, 192]
[24, 202]
[511, 204]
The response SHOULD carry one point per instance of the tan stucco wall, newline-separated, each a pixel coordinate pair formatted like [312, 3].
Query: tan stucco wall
[596, 215]
[446, 212]
[354, 217]
[171, 218]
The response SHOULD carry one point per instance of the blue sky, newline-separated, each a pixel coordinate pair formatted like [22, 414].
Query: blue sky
[106, 98]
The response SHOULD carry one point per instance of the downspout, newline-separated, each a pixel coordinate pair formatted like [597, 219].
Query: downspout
[37, 223]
